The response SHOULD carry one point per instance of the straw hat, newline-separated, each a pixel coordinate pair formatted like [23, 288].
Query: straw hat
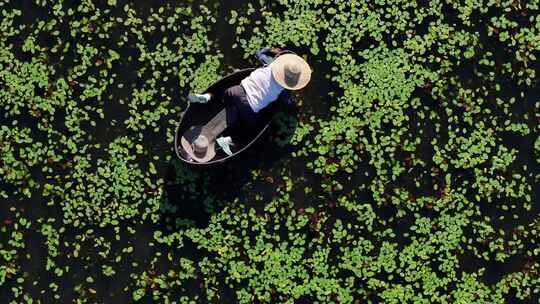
[197, 144]
[291, 71]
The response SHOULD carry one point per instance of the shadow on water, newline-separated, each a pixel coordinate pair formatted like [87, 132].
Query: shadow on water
[212, 187]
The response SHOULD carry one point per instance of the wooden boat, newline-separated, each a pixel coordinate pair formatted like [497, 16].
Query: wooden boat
[200, 114]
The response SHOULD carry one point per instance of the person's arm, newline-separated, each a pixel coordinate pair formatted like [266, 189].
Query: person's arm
[262, 51]
[263, 57]
[266, 55]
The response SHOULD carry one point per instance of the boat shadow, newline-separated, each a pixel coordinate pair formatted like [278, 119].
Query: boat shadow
[194, 193]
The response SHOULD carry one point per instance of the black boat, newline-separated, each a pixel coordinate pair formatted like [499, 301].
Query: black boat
[201, 114]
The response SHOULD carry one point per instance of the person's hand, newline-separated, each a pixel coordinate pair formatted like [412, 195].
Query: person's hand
[275, 50]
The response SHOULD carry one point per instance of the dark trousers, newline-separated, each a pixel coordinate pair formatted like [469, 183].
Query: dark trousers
[236, 96]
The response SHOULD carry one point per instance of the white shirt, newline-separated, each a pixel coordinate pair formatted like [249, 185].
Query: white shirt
[261, 88]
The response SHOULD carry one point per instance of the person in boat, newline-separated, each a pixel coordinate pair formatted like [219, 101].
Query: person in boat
[282, 72]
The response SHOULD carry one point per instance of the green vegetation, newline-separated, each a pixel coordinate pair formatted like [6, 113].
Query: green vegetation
[409, 172]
